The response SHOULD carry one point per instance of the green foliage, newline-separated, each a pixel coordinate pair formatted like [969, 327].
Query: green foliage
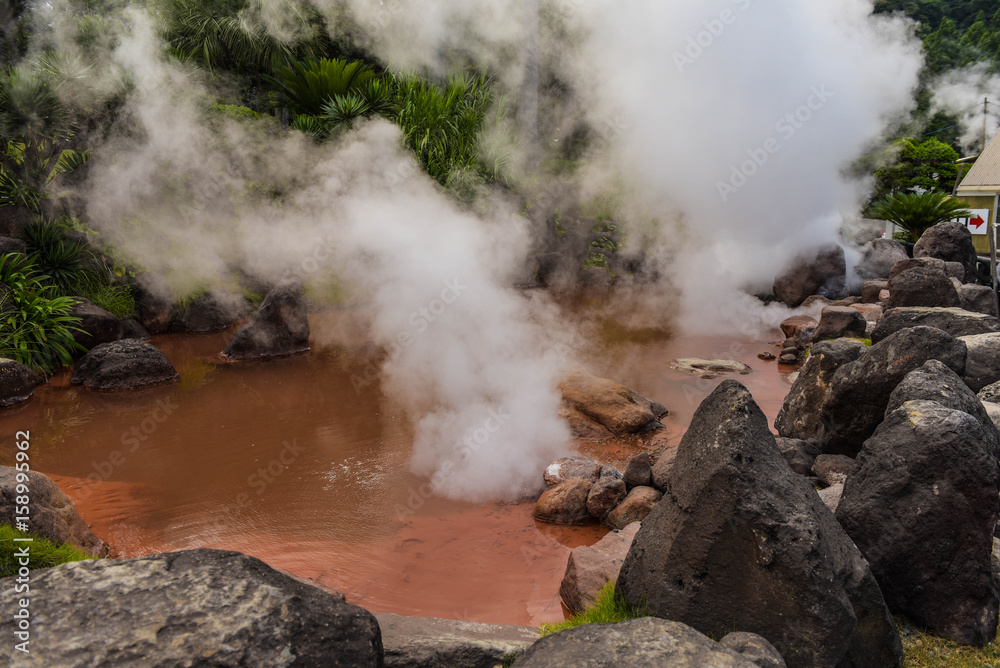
[36, 328]
[308, 87]
[235, 111]
[915, 212]
[606, 609]
[42, 552]
[114, 298]
[929, 165]
[56, 256]
[442, 126]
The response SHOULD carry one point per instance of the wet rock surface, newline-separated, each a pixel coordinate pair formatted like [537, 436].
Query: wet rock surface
[565, 503]
[634, 508]
[611, 404]
[124, 365]
[740, 542]
[53, 515]
[822, 271]
[99, 326]
[955, 321]
[17, 383]
[234, 610]
[279, 328]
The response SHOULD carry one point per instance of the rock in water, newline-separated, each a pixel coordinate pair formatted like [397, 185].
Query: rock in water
[639, 472]
[823, 272]
[921, 505]
[922, 286]
[859, 391]
[99, 326]
[636, 506]
[592, 567]
[124, 365]
[278, 328]
[955, 321]
[951, 242]
[799, 414]
[565, 503]
[605, 496]
[568, 468]
[709, 369]
[17, 383]
[637, 643]
[936, 382]
[611, 404]
[199, 607]
[741, 543]
[53, 515]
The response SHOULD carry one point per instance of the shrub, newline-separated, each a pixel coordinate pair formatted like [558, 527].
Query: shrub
[36, 328]
[43, 553]
[916, 212]
[306, 88]
[606, 609]
[55, 256]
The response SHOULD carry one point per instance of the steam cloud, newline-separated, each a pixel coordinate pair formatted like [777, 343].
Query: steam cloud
[732, 147]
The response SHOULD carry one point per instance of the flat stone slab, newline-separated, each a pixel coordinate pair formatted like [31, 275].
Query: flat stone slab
[430, 642]
[709, 368]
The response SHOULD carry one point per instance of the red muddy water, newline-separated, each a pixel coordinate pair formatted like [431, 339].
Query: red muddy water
[286, 461]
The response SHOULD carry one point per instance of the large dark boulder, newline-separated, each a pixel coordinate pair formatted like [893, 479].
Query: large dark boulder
[936, 382]
[278, 328]
[838, 321]
[99, 326]
[859, 391]
[982, 366]
[17, 383]
[921, 504]
[914, 262]
[951, 242]
[211, 312]
[878, 257]
[124, 365]
[428, 642]
[922, 286]
[638, 643]
[611, 404]
[799, 414]
[199, 607]
[741, 543]
[822, 271]
[52, 515]
[955, 321]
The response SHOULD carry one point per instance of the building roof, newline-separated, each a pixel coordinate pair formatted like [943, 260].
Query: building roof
[984, 177]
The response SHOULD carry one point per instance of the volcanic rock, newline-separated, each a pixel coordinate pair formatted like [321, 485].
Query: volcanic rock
[978, 299]
[982, 366]
[871, 291]
[99, 326]
[53, 515]
[568, 468]
[592, 567]
[639, 472]
[278, 328]
[755, 648]
[742, 543]
[634, 508]
[124, 365]
[838, 321]
[922, 286]
[822, 271]
[800, 455]
[955, 321]
[17, 383]
[951, 242]
[605, 495]
[565, 503]
[611, 404]
[428, 642]
[921, 505]
[878, 258]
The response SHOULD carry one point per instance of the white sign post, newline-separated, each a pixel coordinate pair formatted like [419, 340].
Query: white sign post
[978, 223]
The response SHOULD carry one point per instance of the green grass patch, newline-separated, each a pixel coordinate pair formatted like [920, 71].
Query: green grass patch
[606, 609]
[922, 650]
[43, 553]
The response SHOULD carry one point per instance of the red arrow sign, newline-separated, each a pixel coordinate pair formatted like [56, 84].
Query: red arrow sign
[977, 222]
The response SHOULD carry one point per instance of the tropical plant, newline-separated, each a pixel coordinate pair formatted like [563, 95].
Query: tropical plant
[915, 212]
[308, 87]
[36, 326]
[442, 125]
[54, 255]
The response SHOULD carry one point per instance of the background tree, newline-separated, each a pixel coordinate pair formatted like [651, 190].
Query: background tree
[929, 166]
[916, 212]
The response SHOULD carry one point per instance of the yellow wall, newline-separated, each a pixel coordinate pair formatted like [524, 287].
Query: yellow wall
[980, 241]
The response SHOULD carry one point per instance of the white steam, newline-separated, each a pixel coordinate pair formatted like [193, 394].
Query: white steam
[962, 92]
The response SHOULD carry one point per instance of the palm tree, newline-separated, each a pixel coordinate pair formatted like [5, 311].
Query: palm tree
[308, 88]
[916, 212]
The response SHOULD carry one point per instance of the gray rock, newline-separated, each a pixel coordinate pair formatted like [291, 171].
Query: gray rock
[741, 543]
[636, 506]
[982, 366]
[955, 270]
[838, 321]
[608, 471]
[990, 393]
[611, 404]
[911, 263]
[99, 326]
[799, 414]
[831, 496]
[871, 291]
[800, 455]
[978, 299]
[822, 271]
[53, 515]
[951, 242]
[17, 383]
[637, 643]
[565, 503]
[605, 496]
[832, 469]
[639, 472]
[936, 382]
[199, 607]
[12, 245]
[922, 286]
[799, 330]
[859, 391]
[709, 369]
[878, 258]
[921, 504]
[568, 468]
[124, 365]
[279, 328]
[663, 465]
[592, 567]
[754, 648]
[429, 642]
[955, 321]
[210, 312]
